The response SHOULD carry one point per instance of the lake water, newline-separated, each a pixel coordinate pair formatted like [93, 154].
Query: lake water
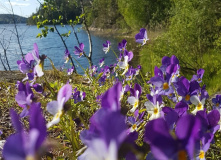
[52, 46]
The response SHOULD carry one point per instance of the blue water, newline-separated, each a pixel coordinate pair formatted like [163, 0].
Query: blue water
[52, 46]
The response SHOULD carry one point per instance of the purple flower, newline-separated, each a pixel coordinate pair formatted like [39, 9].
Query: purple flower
[101, 62]
[130, 73]
[166, 61]
[22, 144]
[187, 89]
[199, 76]
[106, 46]
[38, 88]
[24, 98]
[79, 51]
[38, 70]
[105, 135]
[154, 106]
[66, 56]
[141, 37]
[124, 64]
[78, 96]
[217, 101]
[111, 98]
[161, 81]
[199, 103]
[70, 70]
[122, 45]
[134, 98]
[164, 146]
[56, 107]
[135, 121]
[93, 70]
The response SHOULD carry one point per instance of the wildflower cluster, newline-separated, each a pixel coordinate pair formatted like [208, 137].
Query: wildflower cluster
[116, 116]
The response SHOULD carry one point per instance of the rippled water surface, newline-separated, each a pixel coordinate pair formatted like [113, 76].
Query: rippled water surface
[52, 45]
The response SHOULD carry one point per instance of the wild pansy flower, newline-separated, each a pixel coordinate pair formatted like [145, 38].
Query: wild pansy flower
[66, 55]
[141, 37]
[78, 96]
[154, 106]
[107, 128]
[24, 97]
[106, 133]
[199, 76]
[26, 144]
[171, 115]
[165, 146]
[217, 102]
[122, 45]
[26, 66]
[130, 73]
[101, 62]
[38, 70]
[135, 121]
[208, 129]
[79, 51]
[174, 71]
[37, 87]
[167, 61]
[123, 91]
[199, 103]
[134, 98]
[209, 122]
[106, 46]
[137, 70]
[70, 70]
[161, 81]
[111, 98]
[186, 89]
[56, 107]
[93, 70]
[127, 58]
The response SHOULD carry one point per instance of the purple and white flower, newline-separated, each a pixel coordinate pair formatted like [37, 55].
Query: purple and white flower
[106, 46]
[141, 37]
[56, 107]
[79, 51]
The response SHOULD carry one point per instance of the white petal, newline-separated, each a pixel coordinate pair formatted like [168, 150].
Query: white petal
[194, 100]
[131, 100]
[52, 107]
[38, 70]
[149, 105]
[55, 120]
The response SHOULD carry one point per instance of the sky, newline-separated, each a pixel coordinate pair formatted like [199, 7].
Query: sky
[21, 7]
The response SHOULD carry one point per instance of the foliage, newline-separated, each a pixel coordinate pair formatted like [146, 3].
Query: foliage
[62, 10]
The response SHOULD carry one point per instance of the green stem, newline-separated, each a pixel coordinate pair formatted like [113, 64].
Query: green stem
[114, 52]
[49, 86]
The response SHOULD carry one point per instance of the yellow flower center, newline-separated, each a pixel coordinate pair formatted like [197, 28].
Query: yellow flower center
[199, 106]
[134, 126]
[129, 77]
[58, 114]
[182, 155]
[155, 110]
[30, 157]
[136, 104]
[199, 79]
[165, 86]
[144, 41]
[81, 54]
[187, 98]
[217, 104]
[202, 154]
